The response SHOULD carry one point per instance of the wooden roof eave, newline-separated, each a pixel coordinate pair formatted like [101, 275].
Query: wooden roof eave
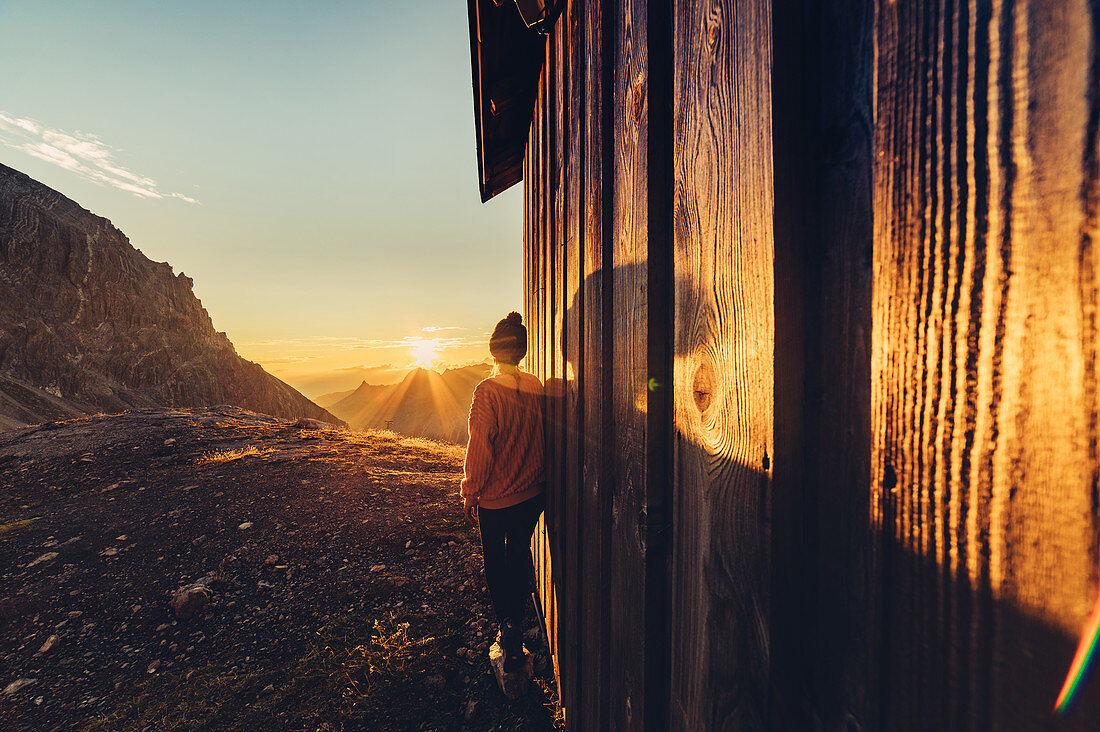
[506, 59]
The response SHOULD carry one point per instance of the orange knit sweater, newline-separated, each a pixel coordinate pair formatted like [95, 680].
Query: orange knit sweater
[504, 459]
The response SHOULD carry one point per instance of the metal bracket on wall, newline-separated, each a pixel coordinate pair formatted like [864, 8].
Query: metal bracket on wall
[538, 15]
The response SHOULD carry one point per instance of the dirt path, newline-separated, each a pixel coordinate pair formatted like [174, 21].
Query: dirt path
[345, 589]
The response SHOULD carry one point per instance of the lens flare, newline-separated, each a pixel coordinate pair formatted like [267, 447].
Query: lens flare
[1081, 661]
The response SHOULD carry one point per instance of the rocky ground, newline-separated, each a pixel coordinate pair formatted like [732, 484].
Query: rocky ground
[322, 579]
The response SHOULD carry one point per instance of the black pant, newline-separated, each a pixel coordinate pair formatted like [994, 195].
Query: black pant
[506, 546]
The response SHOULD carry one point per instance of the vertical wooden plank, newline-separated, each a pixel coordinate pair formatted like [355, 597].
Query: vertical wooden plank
[660, 318]
[724, 343]
[537, 348]
[640, 400]
[563, 515]
[844, 547]
[983, 381]
[534, 361]
[628, 354]
[821, 543]
[595, 293]
[546, 326]
[526, 232]
[530, 225]
[533, 182]
[627, 643]
[573, 358]
[1051, 520]
[530, 182]
[922, 308]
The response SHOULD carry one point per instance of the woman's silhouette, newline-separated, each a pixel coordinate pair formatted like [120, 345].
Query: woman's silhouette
[504, 482]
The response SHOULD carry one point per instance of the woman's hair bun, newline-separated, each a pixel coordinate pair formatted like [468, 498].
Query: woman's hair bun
[508, 344]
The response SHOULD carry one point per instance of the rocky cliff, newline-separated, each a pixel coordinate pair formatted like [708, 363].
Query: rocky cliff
[90, 320]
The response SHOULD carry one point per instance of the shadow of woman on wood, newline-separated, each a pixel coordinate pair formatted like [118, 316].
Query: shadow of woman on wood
[743, 591]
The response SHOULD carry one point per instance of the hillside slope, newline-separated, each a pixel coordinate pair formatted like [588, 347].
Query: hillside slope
[22, 404]
[90, 320]
[327, 400]
[343, 586]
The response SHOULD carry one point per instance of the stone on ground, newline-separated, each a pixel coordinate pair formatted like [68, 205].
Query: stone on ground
[515, 684]
[187, 601]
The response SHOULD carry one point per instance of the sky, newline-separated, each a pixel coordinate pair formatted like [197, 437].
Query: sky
[312, 166]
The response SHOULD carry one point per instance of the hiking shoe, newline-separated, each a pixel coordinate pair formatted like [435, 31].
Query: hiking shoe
[511, 642]
[515, 663]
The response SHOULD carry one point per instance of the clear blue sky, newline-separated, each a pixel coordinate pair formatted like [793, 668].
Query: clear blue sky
[328, 146]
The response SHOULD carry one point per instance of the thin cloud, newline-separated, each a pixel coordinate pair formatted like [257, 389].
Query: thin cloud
[437, 328]
[351, 344]
[303, 341]
[285, 360]
[338, 342]
[80, 153]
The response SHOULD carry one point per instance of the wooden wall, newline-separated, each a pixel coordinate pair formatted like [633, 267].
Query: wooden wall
[595, 184]
[813, 289]
[984, 402]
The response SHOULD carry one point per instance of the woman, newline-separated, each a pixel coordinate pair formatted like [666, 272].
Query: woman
[503, 485]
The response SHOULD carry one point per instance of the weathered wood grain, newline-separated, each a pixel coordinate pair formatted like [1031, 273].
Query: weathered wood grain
[629, 395]
[724, 342]
[527, 238]
[574, 363]
[580, 333]
[547, 336]
[895, 531]
[563, 478]
[594, 303]
[538, 333]
[983, 381]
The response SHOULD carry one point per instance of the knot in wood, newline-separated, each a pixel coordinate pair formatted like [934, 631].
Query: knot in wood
[702, 386]
[713, 27]
[637, 96]
[714, 32]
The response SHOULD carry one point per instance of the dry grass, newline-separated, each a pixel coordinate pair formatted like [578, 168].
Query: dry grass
[352, 680]
[14, 525]
[384, 675]
[387, 654]
[224, 456]
[411, 444]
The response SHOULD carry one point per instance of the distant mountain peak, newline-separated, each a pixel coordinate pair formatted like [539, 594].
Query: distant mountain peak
[423, 404]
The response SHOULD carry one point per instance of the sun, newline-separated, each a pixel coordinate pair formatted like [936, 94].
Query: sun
[425, 352]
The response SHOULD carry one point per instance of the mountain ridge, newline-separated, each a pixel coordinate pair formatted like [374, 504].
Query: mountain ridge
[423, 404]
[90, 320]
